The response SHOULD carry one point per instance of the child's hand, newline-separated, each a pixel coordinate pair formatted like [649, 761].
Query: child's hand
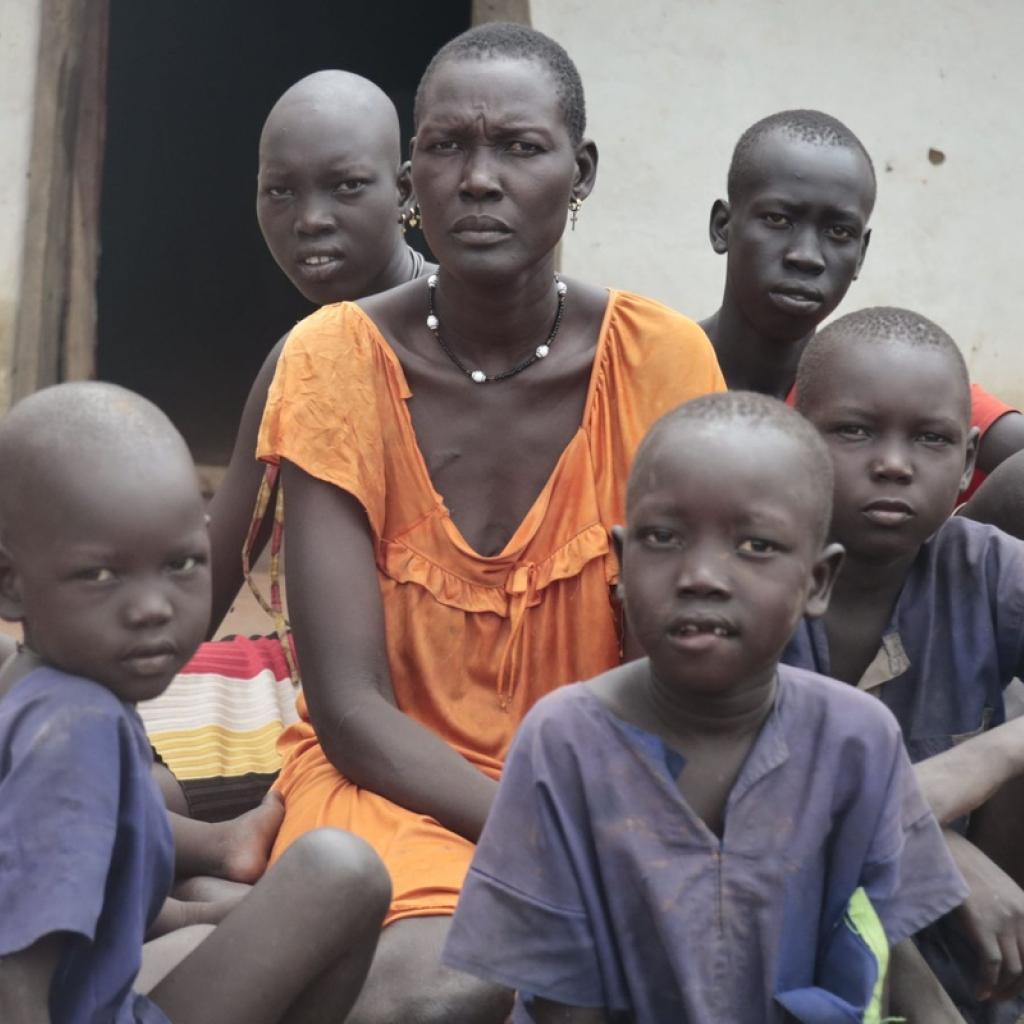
[993, 917]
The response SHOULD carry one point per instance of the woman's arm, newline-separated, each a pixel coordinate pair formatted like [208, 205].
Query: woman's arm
[232, 506]
[338, 620]
[25, 979]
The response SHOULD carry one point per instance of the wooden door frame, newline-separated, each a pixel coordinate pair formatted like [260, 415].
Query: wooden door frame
[55, 330]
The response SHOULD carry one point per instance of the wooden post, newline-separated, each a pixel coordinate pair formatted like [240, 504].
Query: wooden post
[55, 330]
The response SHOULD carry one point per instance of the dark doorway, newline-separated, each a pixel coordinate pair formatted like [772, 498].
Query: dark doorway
[189, 299]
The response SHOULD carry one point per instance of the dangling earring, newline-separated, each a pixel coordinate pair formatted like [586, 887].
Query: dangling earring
[575, 205]
[410, 218]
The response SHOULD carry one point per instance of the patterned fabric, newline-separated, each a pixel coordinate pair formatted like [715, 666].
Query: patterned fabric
[217, 725]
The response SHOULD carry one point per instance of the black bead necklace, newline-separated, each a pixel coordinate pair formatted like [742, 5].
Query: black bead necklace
[478, 376]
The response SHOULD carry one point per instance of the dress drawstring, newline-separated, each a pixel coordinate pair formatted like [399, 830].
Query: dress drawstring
[522, 589]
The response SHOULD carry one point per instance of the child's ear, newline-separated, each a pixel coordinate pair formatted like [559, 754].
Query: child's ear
[971, 457]
[718, 226]
[404, 182]
[864, 243]
[823, 577]
[11, 608]
[618, 542]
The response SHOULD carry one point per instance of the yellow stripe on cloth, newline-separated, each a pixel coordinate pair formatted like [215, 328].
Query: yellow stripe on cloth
[212, 750]
[862, 919]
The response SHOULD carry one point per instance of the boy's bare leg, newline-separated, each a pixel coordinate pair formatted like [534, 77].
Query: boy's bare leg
[915, 992]
[298, 947]
[162, 955]
[408, 982]
[206, 889]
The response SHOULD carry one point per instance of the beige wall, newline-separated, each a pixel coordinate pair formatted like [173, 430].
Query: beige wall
[19, 45]
[672, 83]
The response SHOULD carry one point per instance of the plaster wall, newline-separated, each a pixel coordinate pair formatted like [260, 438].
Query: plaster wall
[671, 84]
[19, 49]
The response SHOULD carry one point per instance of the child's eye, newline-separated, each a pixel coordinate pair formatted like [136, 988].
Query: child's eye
[95, 574]
[277, 191]
[657, 537]
[186, 564]
[852, 432]
[758, 546]
[930, 437]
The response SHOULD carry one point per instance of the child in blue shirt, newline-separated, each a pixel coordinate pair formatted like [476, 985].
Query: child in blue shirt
[104, 560]
[704, 835]
[928, 611]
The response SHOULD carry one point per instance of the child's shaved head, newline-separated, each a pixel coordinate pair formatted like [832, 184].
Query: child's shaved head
[882, 326]
[809, 126]
[736, 412]
[57, 438]
[104, 551]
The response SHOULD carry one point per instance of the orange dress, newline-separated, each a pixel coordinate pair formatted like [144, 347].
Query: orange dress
[472, 641]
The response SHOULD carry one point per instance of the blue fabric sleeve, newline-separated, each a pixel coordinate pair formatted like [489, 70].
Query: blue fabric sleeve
[521, 921]
[1008, 602]
[909, 874]
[59, 787]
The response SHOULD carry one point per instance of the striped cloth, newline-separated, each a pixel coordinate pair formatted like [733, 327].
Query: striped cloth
[216, 726]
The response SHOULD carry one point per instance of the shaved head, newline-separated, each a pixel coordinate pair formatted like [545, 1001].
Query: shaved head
[338, 101]
[734, 413]
[79, 435]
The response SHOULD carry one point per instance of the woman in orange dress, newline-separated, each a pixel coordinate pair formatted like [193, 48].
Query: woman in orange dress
[454, 453]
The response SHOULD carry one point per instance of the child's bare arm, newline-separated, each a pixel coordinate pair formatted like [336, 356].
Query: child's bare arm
[25, 979]
[960, 780]
[914, 992]
[338, 619]
[993, 916]
[544, 1012]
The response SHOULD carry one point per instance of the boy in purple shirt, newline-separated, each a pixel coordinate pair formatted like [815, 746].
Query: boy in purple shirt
[104, 560]
[928, 611]
[702, 835]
